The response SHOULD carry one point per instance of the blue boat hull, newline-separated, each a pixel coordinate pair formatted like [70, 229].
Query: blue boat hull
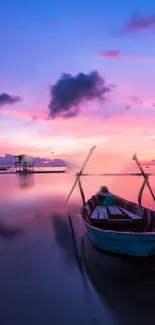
[133, 244]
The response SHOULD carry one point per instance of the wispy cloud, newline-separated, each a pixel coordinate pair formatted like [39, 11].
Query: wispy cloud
[26, 115]
[117, 54]
[136, 100]
[35, 117]
[127, 107]
[138, 23]
[110, 54]
[69, 92]
[6, 99]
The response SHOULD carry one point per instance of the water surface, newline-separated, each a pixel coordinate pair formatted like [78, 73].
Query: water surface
[39, 277]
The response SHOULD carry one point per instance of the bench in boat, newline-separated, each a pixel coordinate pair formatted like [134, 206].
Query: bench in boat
[112, 212]
[115, 218]
[125, 216]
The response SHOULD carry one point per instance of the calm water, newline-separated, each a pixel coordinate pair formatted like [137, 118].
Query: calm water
[40, 282]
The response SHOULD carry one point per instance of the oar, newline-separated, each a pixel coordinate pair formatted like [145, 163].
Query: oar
[79, 174]
[144, 175]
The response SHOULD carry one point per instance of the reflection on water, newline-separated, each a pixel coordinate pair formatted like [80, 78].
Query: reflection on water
[26, 180]
[39, 273]
[10, 232]
[63, 236]
[125, 284]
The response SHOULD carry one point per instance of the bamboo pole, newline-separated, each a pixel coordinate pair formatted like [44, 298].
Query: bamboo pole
[118, 174]
[144, 175]
[81, 191]
[81, 171]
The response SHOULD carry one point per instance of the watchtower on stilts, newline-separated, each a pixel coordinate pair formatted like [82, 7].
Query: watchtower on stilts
[23, 166]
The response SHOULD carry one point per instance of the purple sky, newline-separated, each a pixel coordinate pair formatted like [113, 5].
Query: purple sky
[40, 40]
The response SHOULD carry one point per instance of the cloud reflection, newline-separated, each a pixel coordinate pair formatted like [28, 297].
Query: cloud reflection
[10, 232]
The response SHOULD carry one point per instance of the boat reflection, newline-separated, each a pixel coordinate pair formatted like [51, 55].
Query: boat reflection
[126, 285]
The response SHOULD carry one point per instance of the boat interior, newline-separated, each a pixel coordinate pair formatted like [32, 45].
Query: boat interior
[123, 216]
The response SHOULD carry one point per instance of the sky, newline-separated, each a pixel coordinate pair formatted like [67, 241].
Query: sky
[41, 41]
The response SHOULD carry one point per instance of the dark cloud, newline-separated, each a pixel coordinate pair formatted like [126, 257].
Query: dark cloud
[137, 23]
[136, 100]
[70, 91]
[6, 99]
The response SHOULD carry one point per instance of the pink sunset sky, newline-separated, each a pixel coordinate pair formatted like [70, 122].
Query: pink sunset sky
[119, 45]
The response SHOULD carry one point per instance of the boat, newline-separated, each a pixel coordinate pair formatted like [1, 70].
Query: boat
[120, 227]
[124, 228]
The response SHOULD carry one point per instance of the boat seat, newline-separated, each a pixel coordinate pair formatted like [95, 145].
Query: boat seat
[130, 214]
[114, 210]
[99, 213]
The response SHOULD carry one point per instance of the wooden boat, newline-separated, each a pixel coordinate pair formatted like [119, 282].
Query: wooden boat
[126, 228]
[123, 228]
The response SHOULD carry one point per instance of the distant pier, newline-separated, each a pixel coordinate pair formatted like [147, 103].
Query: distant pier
[33, 172]
[41, 172]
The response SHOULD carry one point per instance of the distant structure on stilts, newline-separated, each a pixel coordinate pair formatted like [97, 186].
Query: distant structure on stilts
[23, 164]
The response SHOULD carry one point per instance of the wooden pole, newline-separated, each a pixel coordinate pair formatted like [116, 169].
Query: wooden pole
[141, 193]
[118, 174]
[81, 171]
[144, 175]
[81, 191]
